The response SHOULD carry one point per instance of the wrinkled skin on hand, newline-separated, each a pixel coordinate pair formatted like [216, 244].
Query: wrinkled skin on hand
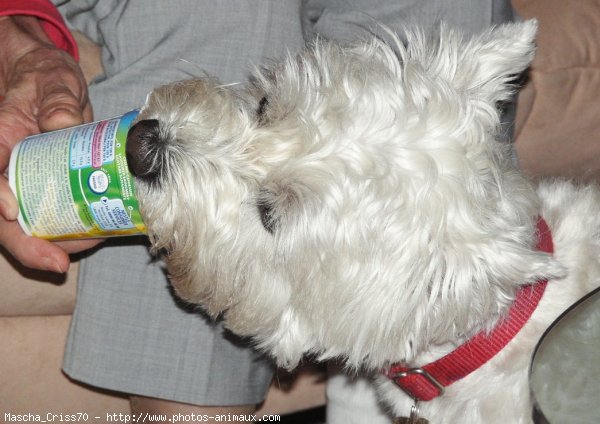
[42, 89]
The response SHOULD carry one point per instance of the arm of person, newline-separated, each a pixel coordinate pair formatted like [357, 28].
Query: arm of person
[42, 89]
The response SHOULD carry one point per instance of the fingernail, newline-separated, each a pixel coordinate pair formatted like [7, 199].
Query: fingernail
[51, 264]
[59, 118]
[59, 110]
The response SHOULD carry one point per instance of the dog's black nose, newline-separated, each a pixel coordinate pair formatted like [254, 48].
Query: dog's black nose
[141, 148]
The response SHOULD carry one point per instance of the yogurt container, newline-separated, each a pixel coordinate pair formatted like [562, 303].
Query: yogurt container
[74, 183]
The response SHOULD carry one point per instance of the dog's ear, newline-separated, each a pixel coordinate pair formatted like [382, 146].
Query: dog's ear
[493, 60]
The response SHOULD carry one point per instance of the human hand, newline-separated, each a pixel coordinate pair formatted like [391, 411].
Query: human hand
[43, 89]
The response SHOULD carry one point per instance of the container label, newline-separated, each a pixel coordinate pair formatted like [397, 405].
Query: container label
[74, 183]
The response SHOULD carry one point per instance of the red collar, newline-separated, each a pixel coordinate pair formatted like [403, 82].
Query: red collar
[428, 382]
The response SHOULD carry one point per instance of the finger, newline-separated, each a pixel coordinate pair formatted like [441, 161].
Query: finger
[60, 108]
[75, 246]
[9, 208]
[4, 156]
[88, 113]
[32, 252]
[17, 121]
[14, 125]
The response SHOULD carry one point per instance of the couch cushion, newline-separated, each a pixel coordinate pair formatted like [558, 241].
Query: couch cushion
[28, 292]
[558, 120]
[32, 381]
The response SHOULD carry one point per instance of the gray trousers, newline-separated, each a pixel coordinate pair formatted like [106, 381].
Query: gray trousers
[129, 332]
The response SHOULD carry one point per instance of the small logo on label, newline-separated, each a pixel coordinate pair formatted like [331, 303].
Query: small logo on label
[98, 182]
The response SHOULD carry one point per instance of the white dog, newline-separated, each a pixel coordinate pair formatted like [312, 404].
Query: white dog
[354, 203]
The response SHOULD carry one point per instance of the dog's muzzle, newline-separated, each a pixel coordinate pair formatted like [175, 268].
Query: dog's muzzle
[142, 141]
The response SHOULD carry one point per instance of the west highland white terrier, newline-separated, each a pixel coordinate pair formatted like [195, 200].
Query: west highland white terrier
[354, 202]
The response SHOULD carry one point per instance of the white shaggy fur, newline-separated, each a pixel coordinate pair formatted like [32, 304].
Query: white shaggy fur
[354, 203]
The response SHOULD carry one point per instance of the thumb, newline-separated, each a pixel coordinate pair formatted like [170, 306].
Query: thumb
[61, 108]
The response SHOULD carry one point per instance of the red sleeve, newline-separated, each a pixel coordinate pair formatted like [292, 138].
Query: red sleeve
[51, 21]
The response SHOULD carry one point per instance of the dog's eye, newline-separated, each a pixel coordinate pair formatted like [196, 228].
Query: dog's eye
[262, 107]
[265, 210]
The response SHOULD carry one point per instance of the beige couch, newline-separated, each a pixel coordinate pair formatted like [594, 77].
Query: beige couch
[558, 119]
